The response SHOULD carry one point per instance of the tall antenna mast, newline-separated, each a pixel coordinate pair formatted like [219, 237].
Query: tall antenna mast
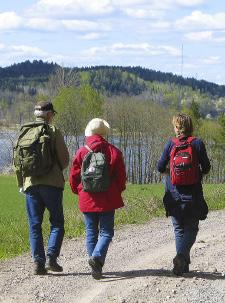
[182, 59]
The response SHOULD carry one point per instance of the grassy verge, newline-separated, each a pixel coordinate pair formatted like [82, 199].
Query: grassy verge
[142, 203]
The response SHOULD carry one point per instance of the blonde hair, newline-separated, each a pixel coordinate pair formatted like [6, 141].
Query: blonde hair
[182, 125]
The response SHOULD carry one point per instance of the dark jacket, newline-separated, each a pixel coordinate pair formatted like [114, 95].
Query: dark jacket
[186, 200]
[101, 201]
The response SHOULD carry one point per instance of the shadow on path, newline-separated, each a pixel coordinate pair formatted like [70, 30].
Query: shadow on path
[131, 274]
[121, 275]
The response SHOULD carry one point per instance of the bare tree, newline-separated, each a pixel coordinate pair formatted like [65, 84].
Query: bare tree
[61, 78]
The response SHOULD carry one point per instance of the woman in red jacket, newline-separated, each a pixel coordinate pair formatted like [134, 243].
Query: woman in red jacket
[99, 207]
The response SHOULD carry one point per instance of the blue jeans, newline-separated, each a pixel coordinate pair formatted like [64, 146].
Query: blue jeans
[99, 233]
[38, 198]
[185, 232]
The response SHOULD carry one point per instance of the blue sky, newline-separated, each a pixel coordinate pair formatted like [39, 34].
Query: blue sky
[149, 33]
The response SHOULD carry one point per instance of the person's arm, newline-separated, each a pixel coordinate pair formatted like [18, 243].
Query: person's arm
[62, 153]
[202, 157]
[19, 179]
[165, 158]
[120, 172]
[75, 172]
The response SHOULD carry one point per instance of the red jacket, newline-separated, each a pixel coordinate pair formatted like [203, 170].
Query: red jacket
[102, 201]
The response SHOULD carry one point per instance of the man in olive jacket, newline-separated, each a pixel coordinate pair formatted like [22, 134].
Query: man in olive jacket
[46, 191]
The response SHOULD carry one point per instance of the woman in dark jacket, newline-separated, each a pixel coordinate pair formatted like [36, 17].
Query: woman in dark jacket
[184, 203]
[99, 207]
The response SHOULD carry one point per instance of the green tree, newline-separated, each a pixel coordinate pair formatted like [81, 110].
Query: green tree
[75, 107]
[194, 112]
[221, 121]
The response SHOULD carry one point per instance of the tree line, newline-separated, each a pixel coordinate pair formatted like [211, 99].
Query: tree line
[140, 128]
[141, 123]
[38, 69]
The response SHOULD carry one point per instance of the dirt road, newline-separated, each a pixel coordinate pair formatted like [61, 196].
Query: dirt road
[137, 269]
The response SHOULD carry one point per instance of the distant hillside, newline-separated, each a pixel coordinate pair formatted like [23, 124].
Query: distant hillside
[152, 75]
[39, 71]
[28, 69]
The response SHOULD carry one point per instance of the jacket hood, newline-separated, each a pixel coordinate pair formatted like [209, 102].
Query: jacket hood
[96, 142]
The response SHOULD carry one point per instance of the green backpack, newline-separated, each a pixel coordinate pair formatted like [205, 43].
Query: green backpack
[33, 152]
[95, 172]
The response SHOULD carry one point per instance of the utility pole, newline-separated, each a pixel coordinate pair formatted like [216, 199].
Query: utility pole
[182, 59]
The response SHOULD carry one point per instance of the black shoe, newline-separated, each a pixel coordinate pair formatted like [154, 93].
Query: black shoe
[39, 268]
[179, 265]
[186, 268]
[96, 268]
[53, 265]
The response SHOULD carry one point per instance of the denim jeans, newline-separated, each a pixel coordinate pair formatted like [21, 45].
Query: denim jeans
[99, 233]
[38, 198]
[185, 235]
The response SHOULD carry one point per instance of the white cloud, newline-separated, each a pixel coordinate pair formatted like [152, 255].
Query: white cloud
[20, 53]
[189, 3]
[90, 36]
[200, 21]
[84, 25]
[72, 7]
[142, 13]
[42, 24]
[133, 8]
[155, 4]
[212, 60]
[199, 36]
[23, 50]
[9, 20]
[207, 36]
[133, 49]
[160, 25]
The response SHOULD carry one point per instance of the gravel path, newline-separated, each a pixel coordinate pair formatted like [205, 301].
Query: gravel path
[137, 269]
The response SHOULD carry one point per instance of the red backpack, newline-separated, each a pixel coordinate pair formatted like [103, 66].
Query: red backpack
[184, 165]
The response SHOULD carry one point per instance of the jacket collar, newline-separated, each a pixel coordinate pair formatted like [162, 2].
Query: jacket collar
[40, 119]
[94, 141]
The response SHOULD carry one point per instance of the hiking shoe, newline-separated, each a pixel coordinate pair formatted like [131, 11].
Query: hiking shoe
[186, 268]
[96, 268]
[39, 268]
[53, 265]
[179, 265]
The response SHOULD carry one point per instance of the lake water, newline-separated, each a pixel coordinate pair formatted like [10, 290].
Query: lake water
[7, 140]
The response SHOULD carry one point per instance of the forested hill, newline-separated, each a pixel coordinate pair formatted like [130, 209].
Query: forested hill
[152, 75]
[40, 69]
[27, 69]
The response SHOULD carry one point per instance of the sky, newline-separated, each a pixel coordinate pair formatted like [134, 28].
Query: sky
[185, 37]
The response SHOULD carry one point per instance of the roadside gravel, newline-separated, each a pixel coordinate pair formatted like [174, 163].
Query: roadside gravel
[137, 269]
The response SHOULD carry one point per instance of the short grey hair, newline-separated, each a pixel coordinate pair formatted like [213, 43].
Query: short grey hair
[41, 113]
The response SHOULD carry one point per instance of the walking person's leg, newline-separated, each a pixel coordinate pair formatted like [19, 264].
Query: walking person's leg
[185, 231]
[190, 234]
[179, 260]
[52, 197]
[91, 220]
[35, 210]
[106, 233]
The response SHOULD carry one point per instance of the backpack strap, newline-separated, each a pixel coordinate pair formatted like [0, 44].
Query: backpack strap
[88, 148]
[178, 141]
[190, 139]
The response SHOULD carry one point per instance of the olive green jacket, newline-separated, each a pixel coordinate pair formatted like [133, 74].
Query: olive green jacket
[55, 176]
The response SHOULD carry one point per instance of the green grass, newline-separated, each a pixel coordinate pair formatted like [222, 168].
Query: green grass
[142, 203]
